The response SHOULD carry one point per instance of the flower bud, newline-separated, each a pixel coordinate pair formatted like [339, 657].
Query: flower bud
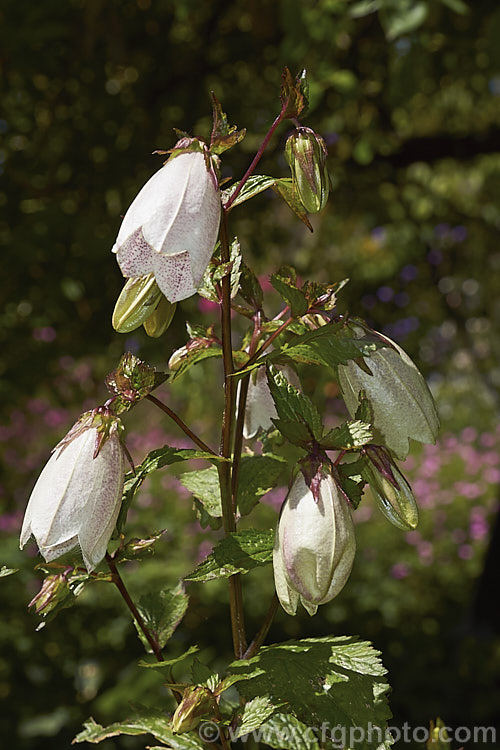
[390, 489]
[160, 319]
[78, 495]
[196, 702]
[314, 544]
[401, 401]
[136, 303]
[306, 153]
[260, 409]
[171, 227]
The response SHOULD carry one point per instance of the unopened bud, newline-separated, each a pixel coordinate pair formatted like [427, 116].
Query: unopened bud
[390, 489]
[306, 153]
[137, 301]
[195, 704]
[314, 545]
[160, 319]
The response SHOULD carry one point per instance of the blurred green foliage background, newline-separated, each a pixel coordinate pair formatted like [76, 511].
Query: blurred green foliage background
[406, 94]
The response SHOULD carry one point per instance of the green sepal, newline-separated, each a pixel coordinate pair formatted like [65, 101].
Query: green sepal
[294, 94]
[224, 136]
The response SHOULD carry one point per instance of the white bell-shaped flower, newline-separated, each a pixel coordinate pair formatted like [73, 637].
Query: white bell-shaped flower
[402, 403]
[314, 545]
[260, 409]
[78, 495]
[171, 227]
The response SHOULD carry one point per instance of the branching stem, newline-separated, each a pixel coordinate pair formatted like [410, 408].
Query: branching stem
[118, 581]
[261, 635]
[255, 160]
[196, 440]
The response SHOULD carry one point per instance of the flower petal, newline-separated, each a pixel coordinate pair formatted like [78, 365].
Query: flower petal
[135, 256]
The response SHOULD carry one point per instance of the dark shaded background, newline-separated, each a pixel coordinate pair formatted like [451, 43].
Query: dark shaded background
[407, 98]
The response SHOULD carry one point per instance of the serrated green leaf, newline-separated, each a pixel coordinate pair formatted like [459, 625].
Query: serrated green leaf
[292, 405]
[352, 480]
[284, 188]
[254, 185]
[5, 571]
[236, 553]
[336, 680]
[157, 725]
[331, 345]
[258, 475]
[250, 288]
[364, 412]
[169, 662]
[295, 432]
[255, 713]
[349, 435]
[194, 356]
[285, 732]
[156, 459]
[162, 612]
[285, 283]
[204, 485]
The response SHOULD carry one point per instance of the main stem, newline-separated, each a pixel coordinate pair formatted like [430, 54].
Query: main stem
[224, 469]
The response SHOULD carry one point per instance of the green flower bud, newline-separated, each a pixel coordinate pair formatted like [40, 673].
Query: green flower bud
[390, 489]
[306, 153]
[137, 301]
[196, 703]
[398, 395]
[160, 319]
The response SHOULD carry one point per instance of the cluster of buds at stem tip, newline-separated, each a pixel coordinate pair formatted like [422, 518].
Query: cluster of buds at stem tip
[314, 544]
[306, 153]
[78, 495]
[171, 227]
[390, 489]
[397, 393]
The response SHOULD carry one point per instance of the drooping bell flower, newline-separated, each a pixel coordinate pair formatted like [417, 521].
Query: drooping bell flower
[78, 495]
[260, 409]
[314, 544]
[390, 489]
[171, 227]
[398, 395]
[306, 153]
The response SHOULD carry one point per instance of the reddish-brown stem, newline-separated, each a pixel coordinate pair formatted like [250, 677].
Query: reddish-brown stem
[224, 468]
[261, 635]
[255, 161]
[196, 440]
[268, 342]
[118, 581]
